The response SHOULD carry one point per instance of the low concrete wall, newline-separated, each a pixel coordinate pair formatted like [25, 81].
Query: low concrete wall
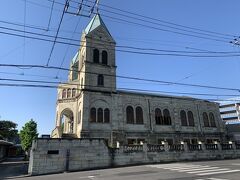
[59, 155]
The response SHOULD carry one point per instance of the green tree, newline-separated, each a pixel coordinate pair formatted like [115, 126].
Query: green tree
[8, 130]
[28, 134]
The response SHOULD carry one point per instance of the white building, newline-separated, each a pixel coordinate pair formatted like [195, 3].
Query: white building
[230, 110]
[90, 105]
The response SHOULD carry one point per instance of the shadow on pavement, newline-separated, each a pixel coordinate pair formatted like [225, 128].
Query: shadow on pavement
[13, 167]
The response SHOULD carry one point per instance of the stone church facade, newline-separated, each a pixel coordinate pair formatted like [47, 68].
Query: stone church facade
[89, 105]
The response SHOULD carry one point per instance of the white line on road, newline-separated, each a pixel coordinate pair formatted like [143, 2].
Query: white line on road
[221, 172]
[210, 170]
[198, 169]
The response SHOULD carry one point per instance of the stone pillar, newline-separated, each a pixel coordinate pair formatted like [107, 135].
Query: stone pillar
[219, 146]
[145, 149]
[166, 147]
[185, 146]
[234, 146]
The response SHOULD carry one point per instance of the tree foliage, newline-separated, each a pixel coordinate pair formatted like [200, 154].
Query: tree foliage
[28, 134]
[8, 130]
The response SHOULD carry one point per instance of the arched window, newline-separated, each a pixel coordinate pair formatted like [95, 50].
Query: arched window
[100, 80]
[64, 93]
[158, 116]
[190, 118]
[104, 57]
[166, 117]
[205, 119]
[183, 118]
[68, 93]
[93, 115]
[139, 115]
[212, 120]
[130, 115]
[100, 115]
[106, 115]
[96, 56]
[73, 92]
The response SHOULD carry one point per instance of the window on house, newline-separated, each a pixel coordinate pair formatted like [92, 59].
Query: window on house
[96, 56]
[205, 119]
[183, 117]
[190, 118]
[100, 115]
[68, 93]
[130, 115]
[104, 57]
[158, 116]
[100, 80]
[93, 115]
[212, 120]
[106, 115]
[73, 92]
[139, 115]
[64, 93]
[166, 117]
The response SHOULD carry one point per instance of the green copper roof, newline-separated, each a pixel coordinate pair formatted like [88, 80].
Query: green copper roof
[95, 23]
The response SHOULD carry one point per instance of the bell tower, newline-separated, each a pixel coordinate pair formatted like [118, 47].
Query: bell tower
[97, 58]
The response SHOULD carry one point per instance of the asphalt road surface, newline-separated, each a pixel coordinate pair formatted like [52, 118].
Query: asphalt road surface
[201, 170]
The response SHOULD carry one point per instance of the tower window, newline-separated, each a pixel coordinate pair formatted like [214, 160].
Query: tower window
[183, 118]
[93, 115]
[100, 80]
[64, 93]
[205, 119]
[190, 118]
[104, 57]
[68, 93]
[130, 115]
[100, 115]
[166, 117]
[106, 115]
[96, 56]
[158, 116]
[212, 120]
[139, 115]
[73, 92]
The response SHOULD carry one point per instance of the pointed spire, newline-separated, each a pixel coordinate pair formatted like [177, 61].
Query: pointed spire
[95, 23]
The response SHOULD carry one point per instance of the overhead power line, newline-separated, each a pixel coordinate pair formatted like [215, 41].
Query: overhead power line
[148, 26]
[168, 53]
[123, 77]
[162, 21]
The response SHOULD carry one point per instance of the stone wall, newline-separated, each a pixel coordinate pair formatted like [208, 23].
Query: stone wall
[59, 155]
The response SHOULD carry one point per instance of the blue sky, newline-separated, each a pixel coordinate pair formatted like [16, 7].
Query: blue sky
[21, 104]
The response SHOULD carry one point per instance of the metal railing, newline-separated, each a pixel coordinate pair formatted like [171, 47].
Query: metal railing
[132, 148]
[155, 148]
[195, 147]
[176, 147]
[211, 146]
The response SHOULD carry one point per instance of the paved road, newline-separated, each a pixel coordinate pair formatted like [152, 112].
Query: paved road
[203, 170]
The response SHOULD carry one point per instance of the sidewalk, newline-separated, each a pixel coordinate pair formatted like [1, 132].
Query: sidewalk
[13, 168]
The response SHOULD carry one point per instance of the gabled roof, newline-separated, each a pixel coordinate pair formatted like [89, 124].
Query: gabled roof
[95, 23]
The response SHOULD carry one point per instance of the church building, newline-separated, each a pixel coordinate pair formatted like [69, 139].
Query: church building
[90, 106]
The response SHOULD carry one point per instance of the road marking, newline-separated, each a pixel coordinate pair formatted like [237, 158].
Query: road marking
[210, 170]
[221, 172]
[198, 169]
[183, 168]
[216, 179]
